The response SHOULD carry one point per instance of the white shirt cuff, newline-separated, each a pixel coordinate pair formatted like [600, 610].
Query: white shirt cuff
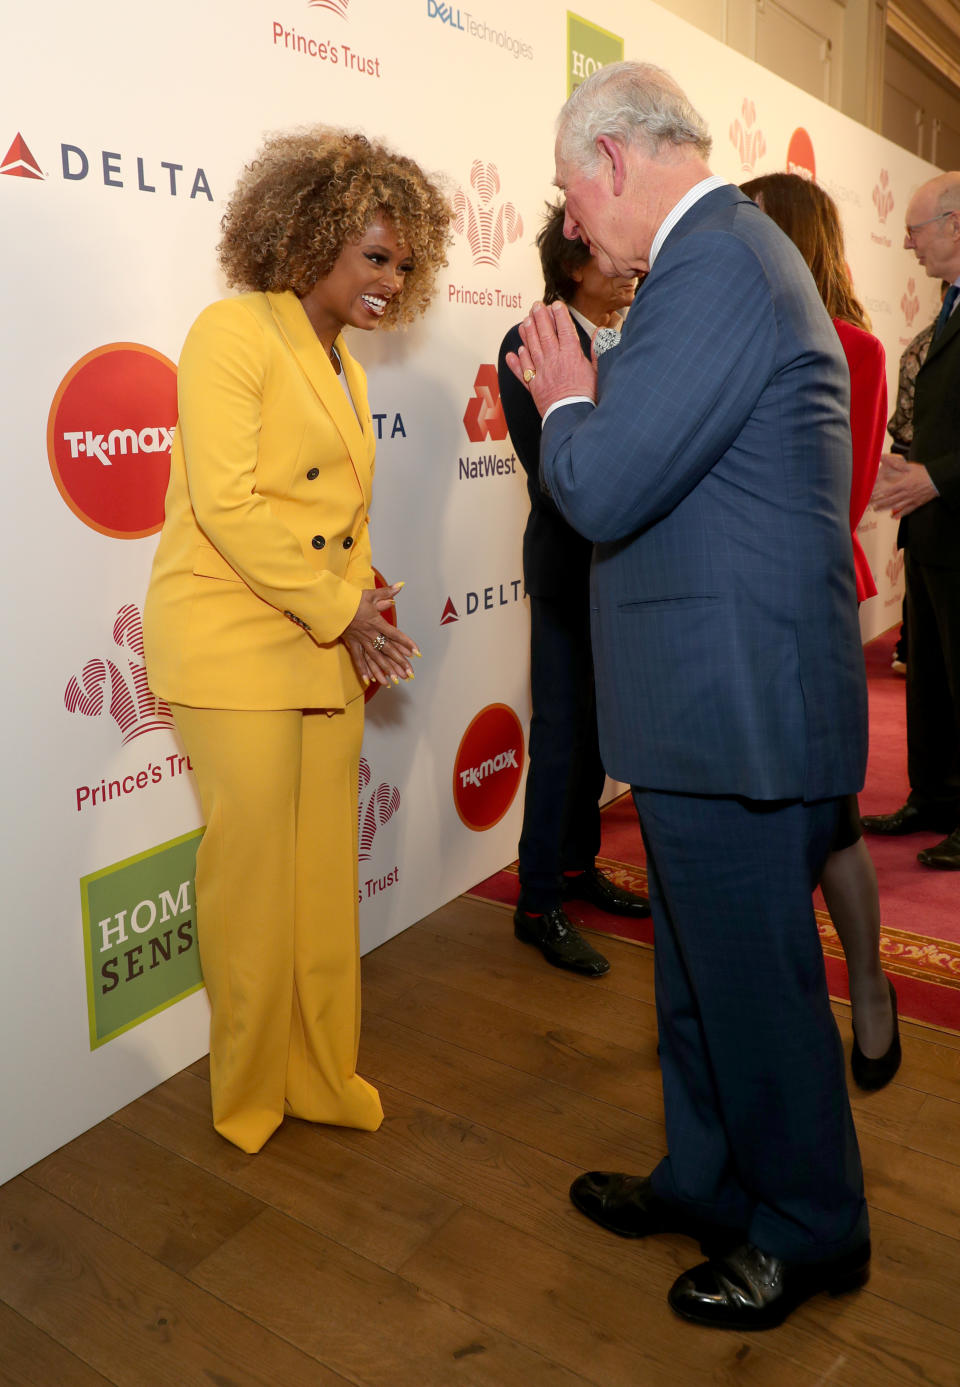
[568, 400]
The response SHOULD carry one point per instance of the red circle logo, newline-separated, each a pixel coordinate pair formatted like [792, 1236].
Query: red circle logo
[800, 154]
[488, 767]
[389, 614]
[108, 438]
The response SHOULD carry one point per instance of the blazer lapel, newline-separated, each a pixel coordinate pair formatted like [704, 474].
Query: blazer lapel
[295, 328]
[950, 331]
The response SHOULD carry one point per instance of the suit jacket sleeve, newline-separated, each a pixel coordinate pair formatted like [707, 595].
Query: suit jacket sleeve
[221, 382]
[673, 395]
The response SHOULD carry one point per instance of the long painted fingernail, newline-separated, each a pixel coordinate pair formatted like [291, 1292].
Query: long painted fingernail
[417, 652]
[402, 583]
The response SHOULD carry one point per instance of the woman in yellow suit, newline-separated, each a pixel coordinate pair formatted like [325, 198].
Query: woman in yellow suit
[261, 625]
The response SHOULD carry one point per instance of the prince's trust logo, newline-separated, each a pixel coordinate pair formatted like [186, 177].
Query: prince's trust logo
[487, 221]
[118, 687]
[378, 804]
[909, 303]
[748, 142]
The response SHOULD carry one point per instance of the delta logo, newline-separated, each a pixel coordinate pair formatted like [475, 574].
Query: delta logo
[485, 599]
[487, 221]
[488, 767]
[747, 141]
[800, 156]
[109, 434]
[115, 168]
[18, 162]
[116, 686]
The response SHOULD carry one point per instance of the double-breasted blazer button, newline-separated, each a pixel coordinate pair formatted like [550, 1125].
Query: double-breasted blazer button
[313, 474]
[318, 541]
[348, 542]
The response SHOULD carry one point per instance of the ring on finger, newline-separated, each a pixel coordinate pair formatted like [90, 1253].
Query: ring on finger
[528, 375]
[379, 642]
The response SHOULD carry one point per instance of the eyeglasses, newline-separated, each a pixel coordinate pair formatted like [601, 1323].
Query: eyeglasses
[912, 230]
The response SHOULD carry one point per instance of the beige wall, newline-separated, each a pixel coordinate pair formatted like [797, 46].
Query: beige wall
[893, 65]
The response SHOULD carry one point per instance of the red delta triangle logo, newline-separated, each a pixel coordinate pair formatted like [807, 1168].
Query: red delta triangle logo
[450, 613]
[18, 162]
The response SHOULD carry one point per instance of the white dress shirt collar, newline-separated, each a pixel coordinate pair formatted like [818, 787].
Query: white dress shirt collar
[693, 195]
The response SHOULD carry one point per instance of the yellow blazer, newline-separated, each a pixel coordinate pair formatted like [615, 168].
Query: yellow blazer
[265, 548]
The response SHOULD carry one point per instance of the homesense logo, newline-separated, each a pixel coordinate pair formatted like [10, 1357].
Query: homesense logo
[588, 49]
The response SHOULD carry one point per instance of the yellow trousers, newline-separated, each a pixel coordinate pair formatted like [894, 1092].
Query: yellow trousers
[277, 916]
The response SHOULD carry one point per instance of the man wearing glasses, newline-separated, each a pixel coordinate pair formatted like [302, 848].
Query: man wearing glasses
[923, 490]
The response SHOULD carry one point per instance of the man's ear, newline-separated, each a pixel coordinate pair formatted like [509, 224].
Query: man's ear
[612, 154]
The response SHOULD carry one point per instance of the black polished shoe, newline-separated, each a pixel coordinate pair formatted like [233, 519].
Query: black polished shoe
[558, 941]
[945, 855]
[873, 1074]
[907, 819]
[627, 1205]
[749, 1289]
[593, 886]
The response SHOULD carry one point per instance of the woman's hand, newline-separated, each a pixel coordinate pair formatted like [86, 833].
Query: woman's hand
[380, 652]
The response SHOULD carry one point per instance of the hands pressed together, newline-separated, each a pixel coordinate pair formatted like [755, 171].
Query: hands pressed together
[901, 486]
[551, 363]
[380, 652]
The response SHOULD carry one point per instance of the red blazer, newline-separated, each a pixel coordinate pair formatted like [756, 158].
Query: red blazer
[868, 425]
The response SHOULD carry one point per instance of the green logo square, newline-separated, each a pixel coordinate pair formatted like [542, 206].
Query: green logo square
[140, 936]
[588, 47]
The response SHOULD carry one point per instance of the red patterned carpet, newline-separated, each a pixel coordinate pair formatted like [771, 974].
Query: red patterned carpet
[921, 907]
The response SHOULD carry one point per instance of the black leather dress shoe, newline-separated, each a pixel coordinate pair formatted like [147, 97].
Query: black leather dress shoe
[907, 819]
[749, 1289]
[873, 1074]
[558, 941]
[627, 1205]
[600, 891]
[945, 855]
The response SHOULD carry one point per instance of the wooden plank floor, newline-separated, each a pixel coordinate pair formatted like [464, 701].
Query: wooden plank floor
[442, 1250]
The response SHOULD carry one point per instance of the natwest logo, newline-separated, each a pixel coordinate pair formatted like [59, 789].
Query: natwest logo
[484, 417]
[118, 687]
[748, 142]
[800, 157]
[18, 162]
[488, 766]
[109, 434]
[486, 220]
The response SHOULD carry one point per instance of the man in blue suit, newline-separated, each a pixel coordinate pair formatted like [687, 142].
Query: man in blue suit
[707, 455]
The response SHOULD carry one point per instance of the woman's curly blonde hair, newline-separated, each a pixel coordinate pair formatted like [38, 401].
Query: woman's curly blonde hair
[309, 193]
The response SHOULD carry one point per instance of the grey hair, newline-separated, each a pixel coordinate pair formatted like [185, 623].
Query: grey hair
[632, 102]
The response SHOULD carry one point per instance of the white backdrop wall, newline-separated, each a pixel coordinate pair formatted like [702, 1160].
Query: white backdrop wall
[127, 129]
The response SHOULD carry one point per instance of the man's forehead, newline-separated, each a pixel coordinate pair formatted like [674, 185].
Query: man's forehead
[919, 207]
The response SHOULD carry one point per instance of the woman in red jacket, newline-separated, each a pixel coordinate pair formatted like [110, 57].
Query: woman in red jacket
[809, 217]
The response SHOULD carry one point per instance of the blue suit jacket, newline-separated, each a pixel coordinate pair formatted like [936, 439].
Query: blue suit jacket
[714, 478]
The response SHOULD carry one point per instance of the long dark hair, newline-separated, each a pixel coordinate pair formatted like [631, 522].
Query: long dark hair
[810, 218]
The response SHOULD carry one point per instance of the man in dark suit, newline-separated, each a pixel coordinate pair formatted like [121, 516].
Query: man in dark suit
[708, 458]
[924, 490]
[560, 837]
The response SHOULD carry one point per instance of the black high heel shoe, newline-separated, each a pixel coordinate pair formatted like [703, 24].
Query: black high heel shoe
[873, 1074]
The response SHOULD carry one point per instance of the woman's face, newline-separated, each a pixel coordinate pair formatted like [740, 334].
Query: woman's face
[366, 275]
